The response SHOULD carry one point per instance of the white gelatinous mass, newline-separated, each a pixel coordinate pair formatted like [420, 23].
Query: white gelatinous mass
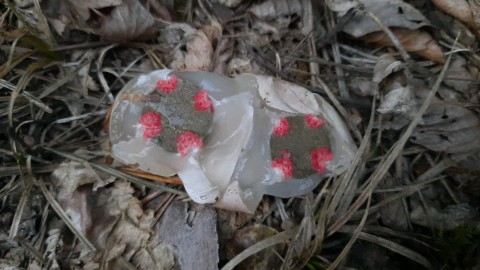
[233, 169]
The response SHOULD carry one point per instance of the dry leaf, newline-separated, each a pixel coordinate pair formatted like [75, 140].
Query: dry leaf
[112, 20]
[449, 218]
[398, 98]
[83, 7]
[386, 65]
[130, 21]
[414, 41]
[223, 53]
[229, 3]
[404, 21]
[449, 127]
[342, 6]
[199, 53]
[399, 101]
[459, 78]
[272, 9]
[392, 13]
[393, 214]
[238, 65]
[110, 217]
[466, 11]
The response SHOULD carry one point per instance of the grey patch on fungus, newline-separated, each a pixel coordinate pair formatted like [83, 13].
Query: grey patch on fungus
[178, 114]
[300, 141]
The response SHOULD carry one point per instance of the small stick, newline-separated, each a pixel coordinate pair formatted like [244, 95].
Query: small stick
[149, 176]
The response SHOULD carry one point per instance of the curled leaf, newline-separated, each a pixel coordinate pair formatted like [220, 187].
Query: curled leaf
[415, 41]
[399, 100]
[465, 11]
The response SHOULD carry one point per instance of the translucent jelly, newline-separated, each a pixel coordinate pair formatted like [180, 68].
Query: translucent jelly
[230, 140]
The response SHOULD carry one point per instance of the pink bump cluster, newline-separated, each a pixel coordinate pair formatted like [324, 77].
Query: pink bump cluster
[313, 121]
[151, 123]
[187, 142]
[282, 127]
[284, 165]
[202, 101]
[167, 86]
[320, 158]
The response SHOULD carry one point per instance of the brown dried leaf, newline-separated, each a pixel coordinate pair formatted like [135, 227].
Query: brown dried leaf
[449, 127]
[415, 41]
[466, 11]
[130, 21]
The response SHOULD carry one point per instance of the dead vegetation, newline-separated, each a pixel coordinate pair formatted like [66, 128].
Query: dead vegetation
[403, 74]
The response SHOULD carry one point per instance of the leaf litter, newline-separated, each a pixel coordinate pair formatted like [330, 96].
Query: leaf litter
[85, 211]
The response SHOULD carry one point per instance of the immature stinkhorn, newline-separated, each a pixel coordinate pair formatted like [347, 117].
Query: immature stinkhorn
[230, 140]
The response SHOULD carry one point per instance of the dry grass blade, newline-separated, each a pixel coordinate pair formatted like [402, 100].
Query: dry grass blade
[35, 252]
[31, 98]
[302, 238]
[338, 204]
[22, 83]
[392, 154]
[58, 83]
[425, 179]
[117, 173]
[322, 219]
[271, 241]
[59, 210]
[379, 230]
[43, 25]
[19, 211]
[339, 108]
[9, 65]
[414, 256]
[356, 233]
[101, 77]
[409, 190]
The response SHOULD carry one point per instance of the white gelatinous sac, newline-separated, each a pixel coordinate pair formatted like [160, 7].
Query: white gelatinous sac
[241, 156]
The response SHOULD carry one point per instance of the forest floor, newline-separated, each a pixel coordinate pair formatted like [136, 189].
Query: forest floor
[403, 75]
